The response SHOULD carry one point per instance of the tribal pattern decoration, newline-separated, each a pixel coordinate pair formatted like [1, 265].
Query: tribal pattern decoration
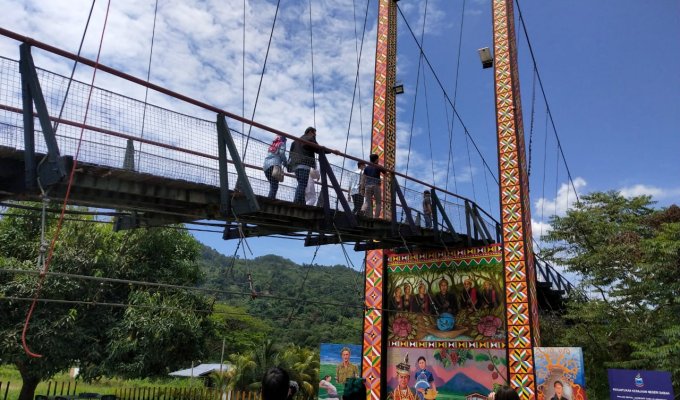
[373, 323]
[383, 143]
[383, 136]
[520, 281]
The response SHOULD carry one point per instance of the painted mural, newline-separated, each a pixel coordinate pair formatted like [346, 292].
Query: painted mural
[445, 324]
[418, 374]
[560, 373]
[455, 299]
[337, 362]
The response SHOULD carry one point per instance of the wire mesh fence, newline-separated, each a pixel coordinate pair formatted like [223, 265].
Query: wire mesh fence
[97, 126]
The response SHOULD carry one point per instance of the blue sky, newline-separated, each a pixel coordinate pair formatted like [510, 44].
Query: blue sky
[609, 68]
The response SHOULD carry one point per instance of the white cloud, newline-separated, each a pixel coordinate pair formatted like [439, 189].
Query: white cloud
[656, 193]
[544, 208]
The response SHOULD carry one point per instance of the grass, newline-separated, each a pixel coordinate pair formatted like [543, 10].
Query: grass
[9, 374]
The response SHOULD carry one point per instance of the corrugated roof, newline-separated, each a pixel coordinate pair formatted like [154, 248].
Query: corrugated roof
[200, 370]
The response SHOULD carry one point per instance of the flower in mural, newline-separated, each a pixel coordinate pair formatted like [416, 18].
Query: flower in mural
[453, 357]
[488, 326]
[403, 327]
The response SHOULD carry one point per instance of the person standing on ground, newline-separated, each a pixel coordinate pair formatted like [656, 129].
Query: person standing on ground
[275, 384]
[372, 190]
[504, 393]
[276, 158]
[302, 161]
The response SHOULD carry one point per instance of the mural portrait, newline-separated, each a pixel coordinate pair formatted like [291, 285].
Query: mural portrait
[419, 374]
[437, 301]
[560, 373]
[337, 363]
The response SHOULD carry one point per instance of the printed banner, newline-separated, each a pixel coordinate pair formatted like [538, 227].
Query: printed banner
[628, 384]
[337, 363]
[444, 373]
[560, 374]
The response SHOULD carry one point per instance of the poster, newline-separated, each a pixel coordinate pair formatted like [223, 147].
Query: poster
[337, 363]
[627, 384]
[445, 373]
[560, 373]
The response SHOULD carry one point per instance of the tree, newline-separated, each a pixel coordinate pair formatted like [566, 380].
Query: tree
[629, 254]
[132, 340]
[239, 330]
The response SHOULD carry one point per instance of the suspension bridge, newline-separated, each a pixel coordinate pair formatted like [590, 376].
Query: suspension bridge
[66, 140]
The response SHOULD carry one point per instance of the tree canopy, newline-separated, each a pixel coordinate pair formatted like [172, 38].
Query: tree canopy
[628, 254]
[101, 326]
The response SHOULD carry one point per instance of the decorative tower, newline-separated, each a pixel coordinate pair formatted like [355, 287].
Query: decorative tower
[383, 143]
[520, 276]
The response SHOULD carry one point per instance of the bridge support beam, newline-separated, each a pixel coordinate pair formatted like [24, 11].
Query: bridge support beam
[396, 192]
[438, 208]
[328, 175]
[236, 205]
[474, 220]
[53, 170]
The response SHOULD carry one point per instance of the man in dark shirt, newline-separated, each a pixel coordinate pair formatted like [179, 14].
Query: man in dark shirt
[372, 189]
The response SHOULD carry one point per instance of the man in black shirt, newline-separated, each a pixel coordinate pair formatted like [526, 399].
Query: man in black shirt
[372, 189]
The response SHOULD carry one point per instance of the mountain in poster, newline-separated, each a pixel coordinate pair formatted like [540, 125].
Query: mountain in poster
[462, 384]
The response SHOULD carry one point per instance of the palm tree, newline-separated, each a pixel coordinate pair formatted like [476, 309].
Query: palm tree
[303, 366]
[242, 370]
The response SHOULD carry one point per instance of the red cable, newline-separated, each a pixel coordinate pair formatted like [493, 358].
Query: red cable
[43, 273]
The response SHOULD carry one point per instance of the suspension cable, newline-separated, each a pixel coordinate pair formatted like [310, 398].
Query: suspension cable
[455, 97]
[415, 98]
[545, 155]
[302, 286]
[264, 67]
[531, 126]
[311, 47]
[73, 70]
[547, 106]
[429, 130]
[357, 86]
[50, 254]
[148, 78]
[446, 96]
[243, 73]
[472, 181]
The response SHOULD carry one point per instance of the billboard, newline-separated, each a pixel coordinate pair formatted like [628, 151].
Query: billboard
[560, 373]
[627, 384]
[337, 363]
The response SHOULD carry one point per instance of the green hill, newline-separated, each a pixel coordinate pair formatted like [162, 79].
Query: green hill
[323, 308]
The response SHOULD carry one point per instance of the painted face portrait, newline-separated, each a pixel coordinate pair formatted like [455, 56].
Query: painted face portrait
[403, 381]
[407, 289]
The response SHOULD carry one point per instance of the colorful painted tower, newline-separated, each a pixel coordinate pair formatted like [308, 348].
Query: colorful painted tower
[520, 275]
[383, 143]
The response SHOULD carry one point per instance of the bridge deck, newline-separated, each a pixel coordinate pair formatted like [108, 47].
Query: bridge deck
[159, 200]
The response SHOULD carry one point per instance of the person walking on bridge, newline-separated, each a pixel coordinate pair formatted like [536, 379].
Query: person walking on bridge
[302, 161]
[274, 164]
[372, 188]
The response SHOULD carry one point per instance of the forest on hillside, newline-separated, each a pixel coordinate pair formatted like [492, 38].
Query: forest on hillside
[301, 304]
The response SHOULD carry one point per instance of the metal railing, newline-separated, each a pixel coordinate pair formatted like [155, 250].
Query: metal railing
[176, 145]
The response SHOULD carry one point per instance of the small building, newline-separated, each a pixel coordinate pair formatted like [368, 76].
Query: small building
[202, 371]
